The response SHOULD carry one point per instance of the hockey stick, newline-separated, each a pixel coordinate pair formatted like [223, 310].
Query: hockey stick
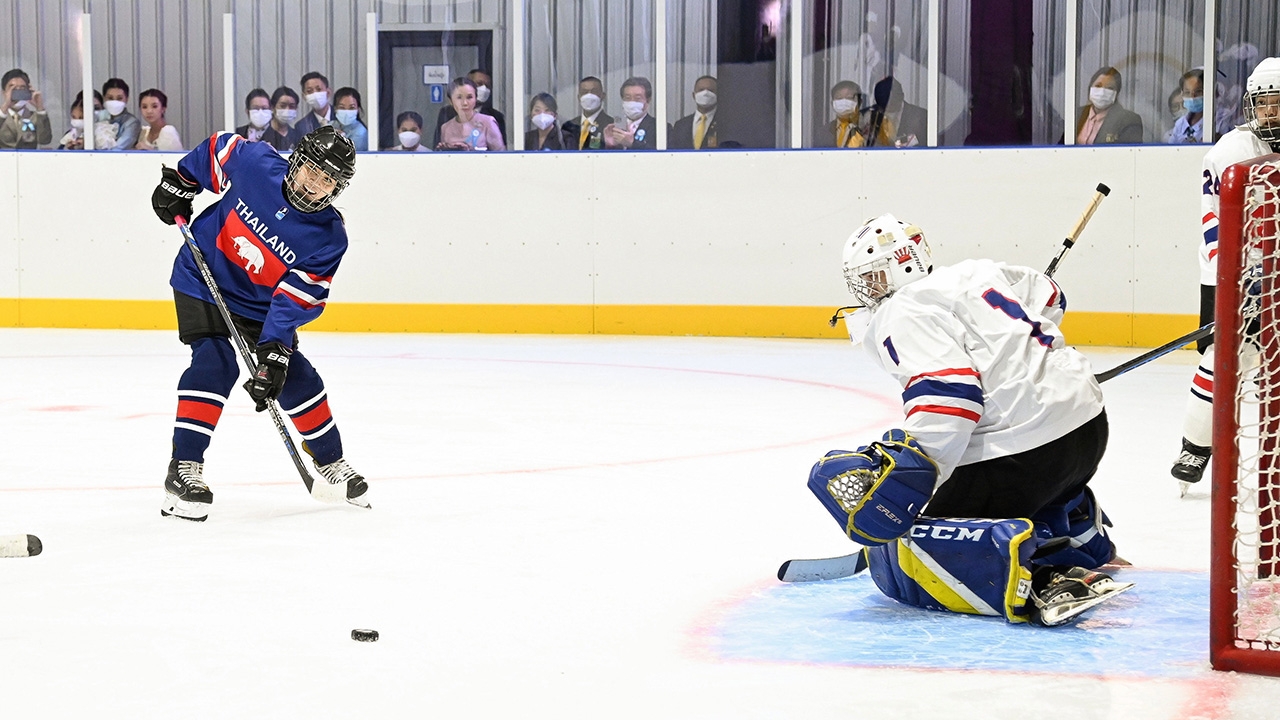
[1101, 192]
[1150, 355]
[323, 491]
[12, 546]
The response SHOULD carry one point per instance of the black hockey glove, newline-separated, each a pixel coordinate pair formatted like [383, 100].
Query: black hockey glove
[172, 197]
[268, 378]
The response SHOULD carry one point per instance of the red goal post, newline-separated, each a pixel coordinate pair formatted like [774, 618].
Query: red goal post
[1244, 586]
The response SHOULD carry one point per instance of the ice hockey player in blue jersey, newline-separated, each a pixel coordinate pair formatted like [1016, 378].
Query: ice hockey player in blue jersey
[980, 502]
[273, 242]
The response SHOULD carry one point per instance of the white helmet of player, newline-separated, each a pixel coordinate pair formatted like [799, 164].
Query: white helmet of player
[882, 256]
[1262, 100]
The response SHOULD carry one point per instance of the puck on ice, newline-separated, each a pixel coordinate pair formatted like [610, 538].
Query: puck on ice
[364, 635]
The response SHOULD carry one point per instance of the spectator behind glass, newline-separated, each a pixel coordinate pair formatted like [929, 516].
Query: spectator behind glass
[545, 134]
[1189, 127]
[284, 105]
[346, 114]
[26, 125]
[257, 105]
[74, 139]
[894, 122]
[315, 89]
[158, 134]
[1104, 121]
[846, 130]
[469, 129]
[124, 127]
[409, 129]
[698, 131]
[636, 129]
[484, 105]
[586, 132]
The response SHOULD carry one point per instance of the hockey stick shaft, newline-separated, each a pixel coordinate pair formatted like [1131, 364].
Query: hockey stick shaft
[1159, 352]
[1101, 192]
[246, 356]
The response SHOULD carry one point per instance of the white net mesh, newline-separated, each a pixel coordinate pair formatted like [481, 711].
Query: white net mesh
[1256, 343]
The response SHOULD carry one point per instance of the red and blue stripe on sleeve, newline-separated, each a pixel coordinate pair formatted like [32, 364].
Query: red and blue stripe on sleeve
[207, 163]
[953, 392]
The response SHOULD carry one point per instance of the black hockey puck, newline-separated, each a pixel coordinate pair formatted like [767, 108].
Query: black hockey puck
[364, 635]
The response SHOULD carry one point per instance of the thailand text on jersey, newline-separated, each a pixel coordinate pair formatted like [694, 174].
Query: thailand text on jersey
[271, 262]
[983, 366]
[1234, 147]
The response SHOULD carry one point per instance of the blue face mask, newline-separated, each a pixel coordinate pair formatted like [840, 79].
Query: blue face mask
[1193, 105]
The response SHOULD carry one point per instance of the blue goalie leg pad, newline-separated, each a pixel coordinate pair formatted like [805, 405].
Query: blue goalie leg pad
[978, 567]
[1083, 524]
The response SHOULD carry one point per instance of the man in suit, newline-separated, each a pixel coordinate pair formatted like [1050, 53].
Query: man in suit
[847, 130]
[895, 122]
[484, 106]
[698, 131]
[636, 129]
[586, 131]
[1104, 121]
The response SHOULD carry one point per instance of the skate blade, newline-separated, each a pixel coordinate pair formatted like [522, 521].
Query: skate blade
[359, 502]
[1062, 614]
[184, 509]
[1183, 487]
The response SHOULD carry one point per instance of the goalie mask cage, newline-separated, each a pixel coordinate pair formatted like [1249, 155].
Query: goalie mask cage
[1244, 597]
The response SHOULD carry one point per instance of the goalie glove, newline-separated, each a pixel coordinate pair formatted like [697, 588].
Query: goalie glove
[877, 492]
[268, 378]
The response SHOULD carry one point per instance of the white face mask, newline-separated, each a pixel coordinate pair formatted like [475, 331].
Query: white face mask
[346, 117]
[843, 106]
[259, 117]
[1102, 98]
[482, 93]
[632, 109]
[77, 123]
[705, 98]
[409, 139]
[286, 115]
[590, 103]
[318, 100]
[544, 120]
[114, 107]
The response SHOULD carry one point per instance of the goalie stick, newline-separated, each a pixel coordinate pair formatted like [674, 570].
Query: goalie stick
[320, 490]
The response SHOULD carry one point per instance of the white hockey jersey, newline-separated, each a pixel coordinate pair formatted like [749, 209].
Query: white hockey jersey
[984, 370]
[1234, 147]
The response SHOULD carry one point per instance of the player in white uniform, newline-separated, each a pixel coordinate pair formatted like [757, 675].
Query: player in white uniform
[1260, 135]
[1004, 423]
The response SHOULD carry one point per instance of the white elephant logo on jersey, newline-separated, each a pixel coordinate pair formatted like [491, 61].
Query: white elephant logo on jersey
[251, 254]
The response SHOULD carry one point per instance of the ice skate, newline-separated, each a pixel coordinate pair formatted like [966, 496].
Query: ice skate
[185, 494]
[1069, 592]
[339, 473]
[1190, 465]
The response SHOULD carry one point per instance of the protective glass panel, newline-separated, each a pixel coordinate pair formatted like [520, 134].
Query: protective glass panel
[579, 54]
[40, 62]
[1247, 31]
[1130, 64]
[864, 74]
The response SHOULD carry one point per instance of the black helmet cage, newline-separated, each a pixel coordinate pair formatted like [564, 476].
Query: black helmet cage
[327, 152]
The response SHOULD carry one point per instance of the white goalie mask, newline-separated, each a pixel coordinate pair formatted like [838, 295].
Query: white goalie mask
[1262, 101]
[882, 257]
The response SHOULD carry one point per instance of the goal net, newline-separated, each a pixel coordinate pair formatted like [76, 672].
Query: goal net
[1244, 599]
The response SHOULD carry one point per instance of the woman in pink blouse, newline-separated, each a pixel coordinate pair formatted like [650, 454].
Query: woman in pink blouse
[470, 130]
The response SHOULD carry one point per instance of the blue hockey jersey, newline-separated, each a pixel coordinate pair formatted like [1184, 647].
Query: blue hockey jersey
[272, 262]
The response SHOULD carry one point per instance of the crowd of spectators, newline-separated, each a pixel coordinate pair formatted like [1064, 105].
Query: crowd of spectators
[470, 122]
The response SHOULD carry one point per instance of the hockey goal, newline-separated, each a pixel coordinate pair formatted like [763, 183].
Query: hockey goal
[1244, 599]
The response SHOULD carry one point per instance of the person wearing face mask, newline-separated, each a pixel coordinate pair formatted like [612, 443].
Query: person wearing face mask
[409, 129]
[1104, 121]
[1189, 128]
[282, 135]
[74, 139]
[636, 129]
[158, 134]
[698, 131]
[586, 132]
[484, 105]
[346, 117]
[26, 125]
[846, 130]
[115, 94]
[545, 134]
[257, 105]
[470, 129]
[315, 92]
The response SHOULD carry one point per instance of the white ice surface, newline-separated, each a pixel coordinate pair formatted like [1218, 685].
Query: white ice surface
[557, 524]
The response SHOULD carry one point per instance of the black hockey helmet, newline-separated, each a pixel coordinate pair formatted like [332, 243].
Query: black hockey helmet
[322, 151]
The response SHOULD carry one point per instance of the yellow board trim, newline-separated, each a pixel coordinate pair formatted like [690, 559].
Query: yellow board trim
[920, 573]
[1080, 328]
